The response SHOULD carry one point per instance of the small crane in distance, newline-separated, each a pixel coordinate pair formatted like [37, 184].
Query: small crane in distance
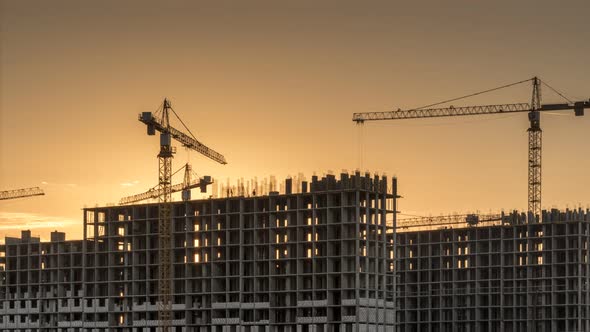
[185, 187]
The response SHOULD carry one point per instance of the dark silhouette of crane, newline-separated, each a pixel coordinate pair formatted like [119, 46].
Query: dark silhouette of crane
[20, 193]
[534, 110]
[185, 187]
[458, 220]
[161, 123]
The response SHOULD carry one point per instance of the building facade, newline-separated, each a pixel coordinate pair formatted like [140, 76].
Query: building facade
[316, 260]
[512, 276]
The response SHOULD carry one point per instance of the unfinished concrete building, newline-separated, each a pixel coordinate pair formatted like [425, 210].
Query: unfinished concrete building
[309, 259]
[318, 257]
[506, 276]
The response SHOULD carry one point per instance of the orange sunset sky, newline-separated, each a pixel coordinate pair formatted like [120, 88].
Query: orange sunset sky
[272, 85]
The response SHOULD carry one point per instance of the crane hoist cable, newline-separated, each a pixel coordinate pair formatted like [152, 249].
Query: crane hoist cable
[475, 94]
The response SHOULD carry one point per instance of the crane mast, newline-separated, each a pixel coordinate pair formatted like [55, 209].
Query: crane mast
[534, 110]
[535, 143]
[164, 191]
[165, 222]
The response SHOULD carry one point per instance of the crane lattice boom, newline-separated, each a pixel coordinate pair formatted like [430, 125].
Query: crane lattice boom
[155, 192]
[186, 140]
[464, 110]
[18, 193]
[441, 112]
[448, 221]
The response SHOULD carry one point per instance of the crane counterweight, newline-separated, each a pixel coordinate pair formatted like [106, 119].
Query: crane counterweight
[579, 108]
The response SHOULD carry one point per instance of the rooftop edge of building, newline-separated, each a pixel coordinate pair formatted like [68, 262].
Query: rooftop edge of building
[290, 186]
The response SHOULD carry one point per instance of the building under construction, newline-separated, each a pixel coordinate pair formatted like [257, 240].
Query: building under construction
[318, 257]
[505, 274]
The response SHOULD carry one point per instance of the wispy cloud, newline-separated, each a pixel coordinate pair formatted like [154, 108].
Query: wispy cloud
[45, 183]
[129, 184]
[23, 221]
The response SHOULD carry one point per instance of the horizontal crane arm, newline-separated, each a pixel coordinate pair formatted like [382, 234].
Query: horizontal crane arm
[440, 112]
[183, 138]
[155, 193]
[449, 221]
[578, 107]
[18, 193]
[152, 193]
[192, 143]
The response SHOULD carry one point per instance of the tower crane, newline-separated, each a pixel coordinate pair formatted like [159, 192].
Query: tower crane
[19, 193]
[534, 110]
[185, 187]
[458, 220]
[161, 123]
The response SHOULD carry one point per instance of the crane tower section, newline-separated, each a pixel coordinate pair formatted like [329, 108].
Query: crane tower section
[164, 191]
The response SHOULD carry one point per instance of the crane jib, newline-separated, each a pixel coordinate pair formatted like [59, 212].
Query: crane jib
[578, 108]
[155, 193]
[20, 193]
[441, 112]
[153, 125]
